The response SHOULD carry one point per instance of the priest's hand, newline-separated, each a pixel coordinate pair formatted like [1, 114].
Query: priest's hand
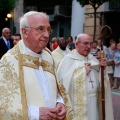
[88, 67]
[48, 113]
[61, 111]
[103, 62]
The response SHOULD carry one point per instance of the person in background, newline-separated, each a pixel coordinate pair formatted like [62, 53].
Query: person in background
[28, 83]
[79, 72]
[94, 49]
[16, 38]
[60, 52]
[12, 37]
[117, 67]
[75, 38]
[6, 42]
[99, 44]
[110, 53]
[70, 43]
[111, 41]
[54, 43]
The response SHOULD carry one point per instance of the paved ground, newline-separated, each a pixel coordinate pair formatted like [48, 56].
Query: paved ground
[116, 103]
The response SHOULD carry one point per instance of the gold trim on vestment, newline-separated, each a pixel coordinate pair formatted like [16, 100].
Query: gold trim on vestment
[33, 62]
[13, 94]
[47, 67]
[10, 89]
[48, 50]
[22, 86]
[65, 96]
[29, 61]
[80, 95]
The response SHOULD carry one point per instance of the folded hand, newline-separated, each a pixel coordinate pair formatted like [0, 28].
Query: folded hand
[48, 113]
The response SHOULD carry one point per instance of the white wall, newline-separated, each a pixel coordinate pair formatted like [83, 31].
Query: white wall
[77, 20]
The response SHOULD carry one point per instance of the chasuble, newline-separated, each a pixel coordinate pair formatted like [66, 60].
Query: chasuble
[19, 86]
[58, 55]
[85, 90]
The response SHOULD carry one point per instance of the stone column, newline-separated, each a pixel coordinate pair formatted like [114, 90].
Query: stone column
[77, 20]
[18, 12]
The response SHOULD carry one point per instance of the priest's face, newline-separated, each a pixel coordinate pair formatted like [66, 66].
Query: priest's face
[36, 35]
[62, 43]
[83, 46]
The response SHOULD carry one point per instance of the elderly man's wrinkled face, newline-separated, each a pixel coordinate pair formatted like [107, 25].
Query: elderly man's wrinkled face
[84, 45]
[7, 34]
[37, 33]
[62, 44]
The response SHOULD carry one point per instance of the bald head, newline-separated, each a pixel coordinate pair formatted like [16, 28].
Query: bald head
[6, 33]
[83, 44]
[82, 36]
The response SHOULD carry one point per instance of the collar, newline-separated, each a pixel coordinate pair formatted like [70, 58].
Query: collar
[75, 55]
[31, 53]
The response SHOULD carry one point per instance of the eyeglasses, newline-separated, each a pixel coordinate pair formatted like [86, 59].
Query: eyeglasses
[41, 29]
[86, 43]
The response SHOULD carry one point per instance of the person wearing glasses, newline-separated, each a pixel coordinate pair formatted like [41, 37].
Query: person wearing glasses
[28, 85]
[79, 73]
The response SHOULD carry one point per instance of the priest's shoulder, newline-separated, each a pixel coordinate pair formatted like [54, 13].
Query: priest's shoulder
[55, 52]
[47, 56]
[10, 56]
[47, 50]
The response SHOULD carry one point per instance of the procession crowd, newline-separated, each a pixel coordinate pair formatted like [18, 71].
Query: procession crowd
[54, 79]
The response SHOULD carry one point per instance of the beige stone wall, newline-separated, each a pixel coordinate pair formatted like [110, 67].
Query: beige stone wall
[89, 20]
[89, 23]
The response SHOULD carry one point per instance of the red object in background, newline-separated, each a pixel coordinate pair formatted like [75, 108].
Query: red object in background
[55, 45]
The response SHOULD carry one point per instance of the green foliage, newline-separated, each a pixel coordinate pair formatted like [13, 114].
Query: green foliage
[115, 2]
[7, 5]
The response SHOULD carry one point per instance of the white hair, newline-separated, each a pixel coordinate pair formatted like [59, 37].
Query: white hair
[78, 39]
[24, 20]
[4, 29]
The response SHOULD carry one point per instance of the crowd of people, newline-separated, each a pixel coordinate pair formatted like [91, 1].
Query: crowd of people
[112, 55]
[59, 83]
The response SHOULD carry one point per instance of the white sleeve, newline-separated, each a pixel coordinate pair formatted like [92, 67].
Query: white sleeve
[59, 99]
[33, 113]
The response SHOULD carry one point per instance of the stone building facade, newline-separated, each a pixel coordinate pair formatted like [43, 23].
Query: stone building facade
[71, 19]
